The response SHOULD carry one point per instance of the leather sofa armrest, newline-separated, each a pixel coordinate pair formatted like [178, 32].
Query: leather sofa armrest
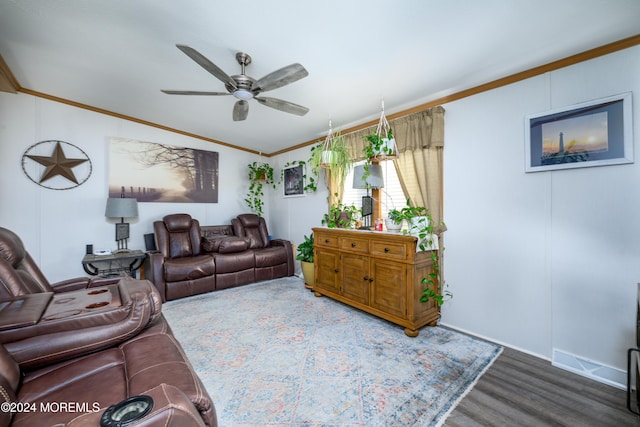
[289, 248]
[75, 332]
[280, 242]
[171, 408]
[82, 283]
[154, 272]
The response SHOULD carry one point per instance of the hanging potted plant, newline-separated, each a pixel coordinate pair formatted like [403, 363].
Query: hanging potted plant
[305, 256]
[380, 147]
[260, 174]
[381, 143]
[333, 156]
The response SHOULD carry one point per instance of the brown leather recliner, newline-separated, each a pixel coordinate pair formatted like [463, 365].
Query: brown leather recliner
[82, 390]
[19, 274]
[179, 268]
[67, 357]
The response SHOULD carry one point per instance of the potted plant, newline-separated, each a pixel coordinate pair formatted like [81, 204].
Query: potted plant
[259, 174]
[394, 220]
[333, 156]
[420, 225]
[305, 256]
[380, 147]
[341, 216]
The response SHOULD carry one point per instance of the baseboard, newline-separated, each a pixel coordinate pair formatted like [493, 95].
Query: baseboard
[569, 362]
[588, 368]
[504, 344]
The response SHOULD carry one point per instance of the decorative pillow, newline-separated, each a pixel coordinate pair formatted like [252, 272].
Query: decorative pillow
[233, 244]
[212, 243]
[224, 244]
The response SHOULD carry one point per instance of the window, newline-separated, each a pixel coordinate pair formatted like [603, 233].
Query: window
[389, 197]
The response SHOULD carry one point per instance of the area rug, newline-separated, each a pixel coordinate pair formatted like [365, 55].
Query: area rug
[273, 354]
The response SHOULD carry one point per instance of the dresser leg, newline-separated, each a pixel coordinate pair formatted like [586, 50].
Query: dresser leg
[318, 294]
[411, 332]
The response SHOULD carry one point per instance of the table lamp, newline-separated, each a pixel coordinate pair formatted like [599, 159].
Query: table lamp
[121, 207]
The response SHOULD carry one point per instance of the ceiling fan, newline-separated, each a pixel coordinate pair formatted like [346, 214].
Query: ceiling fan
[244, 87]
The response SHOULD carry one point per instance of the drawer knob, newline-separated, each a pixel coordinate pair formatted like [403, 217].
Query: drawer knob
[365, 278]
[387, 249]
[336, 270]
[353, 245]
[326, 240]
[370, 279]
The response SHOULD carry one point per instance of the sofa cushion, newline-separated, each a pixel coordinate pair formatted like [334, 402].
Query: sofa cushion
[268, 257]
[191, 268]
[230, 263]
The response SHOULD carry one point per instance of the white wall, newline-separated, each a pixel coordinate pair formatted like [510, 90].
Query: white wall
[547, 260]
[56, 225]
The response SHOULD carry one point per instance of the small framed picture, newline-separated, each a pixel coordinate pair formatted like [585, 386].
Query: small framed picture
[293, 178]
[594, 133]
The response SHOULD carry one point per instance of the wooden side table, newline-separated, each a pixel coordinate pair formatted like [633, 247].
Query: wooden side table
[113, 264]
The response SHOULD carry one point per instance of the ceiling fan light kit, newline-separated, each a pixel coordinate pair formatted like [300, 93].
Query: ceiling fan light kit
[245, 88]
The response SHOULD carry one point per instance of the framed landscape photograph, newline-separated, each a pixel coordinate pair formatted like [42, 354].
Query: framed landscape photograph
[293, 181]
[152, 172]
[594, 133]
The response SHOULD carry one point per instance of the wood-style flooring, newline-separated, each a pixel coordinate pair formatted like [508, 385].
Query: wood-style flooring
[523, 390]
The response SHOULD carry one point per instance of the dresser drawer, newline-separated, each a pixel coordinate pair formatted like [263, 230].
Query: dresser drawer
[354, 244]
[325, 239]
[389, 250]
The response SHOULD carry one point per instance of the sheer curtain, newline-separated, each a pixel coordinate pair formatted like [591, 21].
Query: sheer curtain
[420, 141]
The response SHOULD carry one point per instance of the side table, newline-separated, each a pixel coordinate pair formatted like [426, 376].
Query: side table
[113, 264]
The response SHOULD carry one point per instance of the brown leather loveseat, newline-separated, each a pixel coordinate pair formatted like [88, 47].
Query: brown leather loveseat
[192, 259]
[89, 355]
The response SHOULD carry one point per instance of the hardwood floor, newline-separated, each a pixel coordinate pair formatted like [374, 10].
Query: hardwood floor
[523, 390]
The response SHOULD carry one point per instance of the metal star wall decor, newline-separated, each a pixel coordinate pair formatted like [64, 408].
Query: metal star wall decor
[58, 168]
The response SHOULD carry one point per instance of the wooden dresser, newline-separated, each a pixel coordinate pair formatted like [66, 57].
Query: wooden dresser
[377, 272]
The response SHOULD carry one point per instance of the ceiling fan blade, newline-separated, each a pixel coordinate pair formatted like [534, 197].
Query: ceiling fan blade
[192, 92]
[286, 106]
[281, 77]
[240, 110]
[207, 65]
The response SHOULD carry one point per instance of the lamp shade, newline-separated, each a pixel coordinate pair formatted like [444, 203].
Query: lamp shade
[374, 180]
[121, 208]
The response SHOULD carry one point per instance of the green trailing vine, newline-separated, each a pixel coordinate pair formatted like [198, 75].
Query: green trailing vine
[260, 174]
[433, 289]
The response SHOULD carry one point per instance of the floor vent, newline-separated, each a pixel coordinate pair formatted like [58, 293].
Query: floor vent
[590, 369]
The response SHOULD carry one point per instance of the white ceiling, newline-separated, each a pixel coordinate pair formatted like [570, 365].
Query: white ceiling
[116, 55]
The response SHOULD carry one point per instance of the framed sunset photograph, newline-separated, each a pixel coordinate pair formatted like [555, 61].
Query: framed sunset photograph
[594, 133]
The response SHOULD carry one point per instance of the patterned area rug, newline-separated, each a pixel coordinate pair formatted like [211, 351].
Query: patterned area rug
[273, 354]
